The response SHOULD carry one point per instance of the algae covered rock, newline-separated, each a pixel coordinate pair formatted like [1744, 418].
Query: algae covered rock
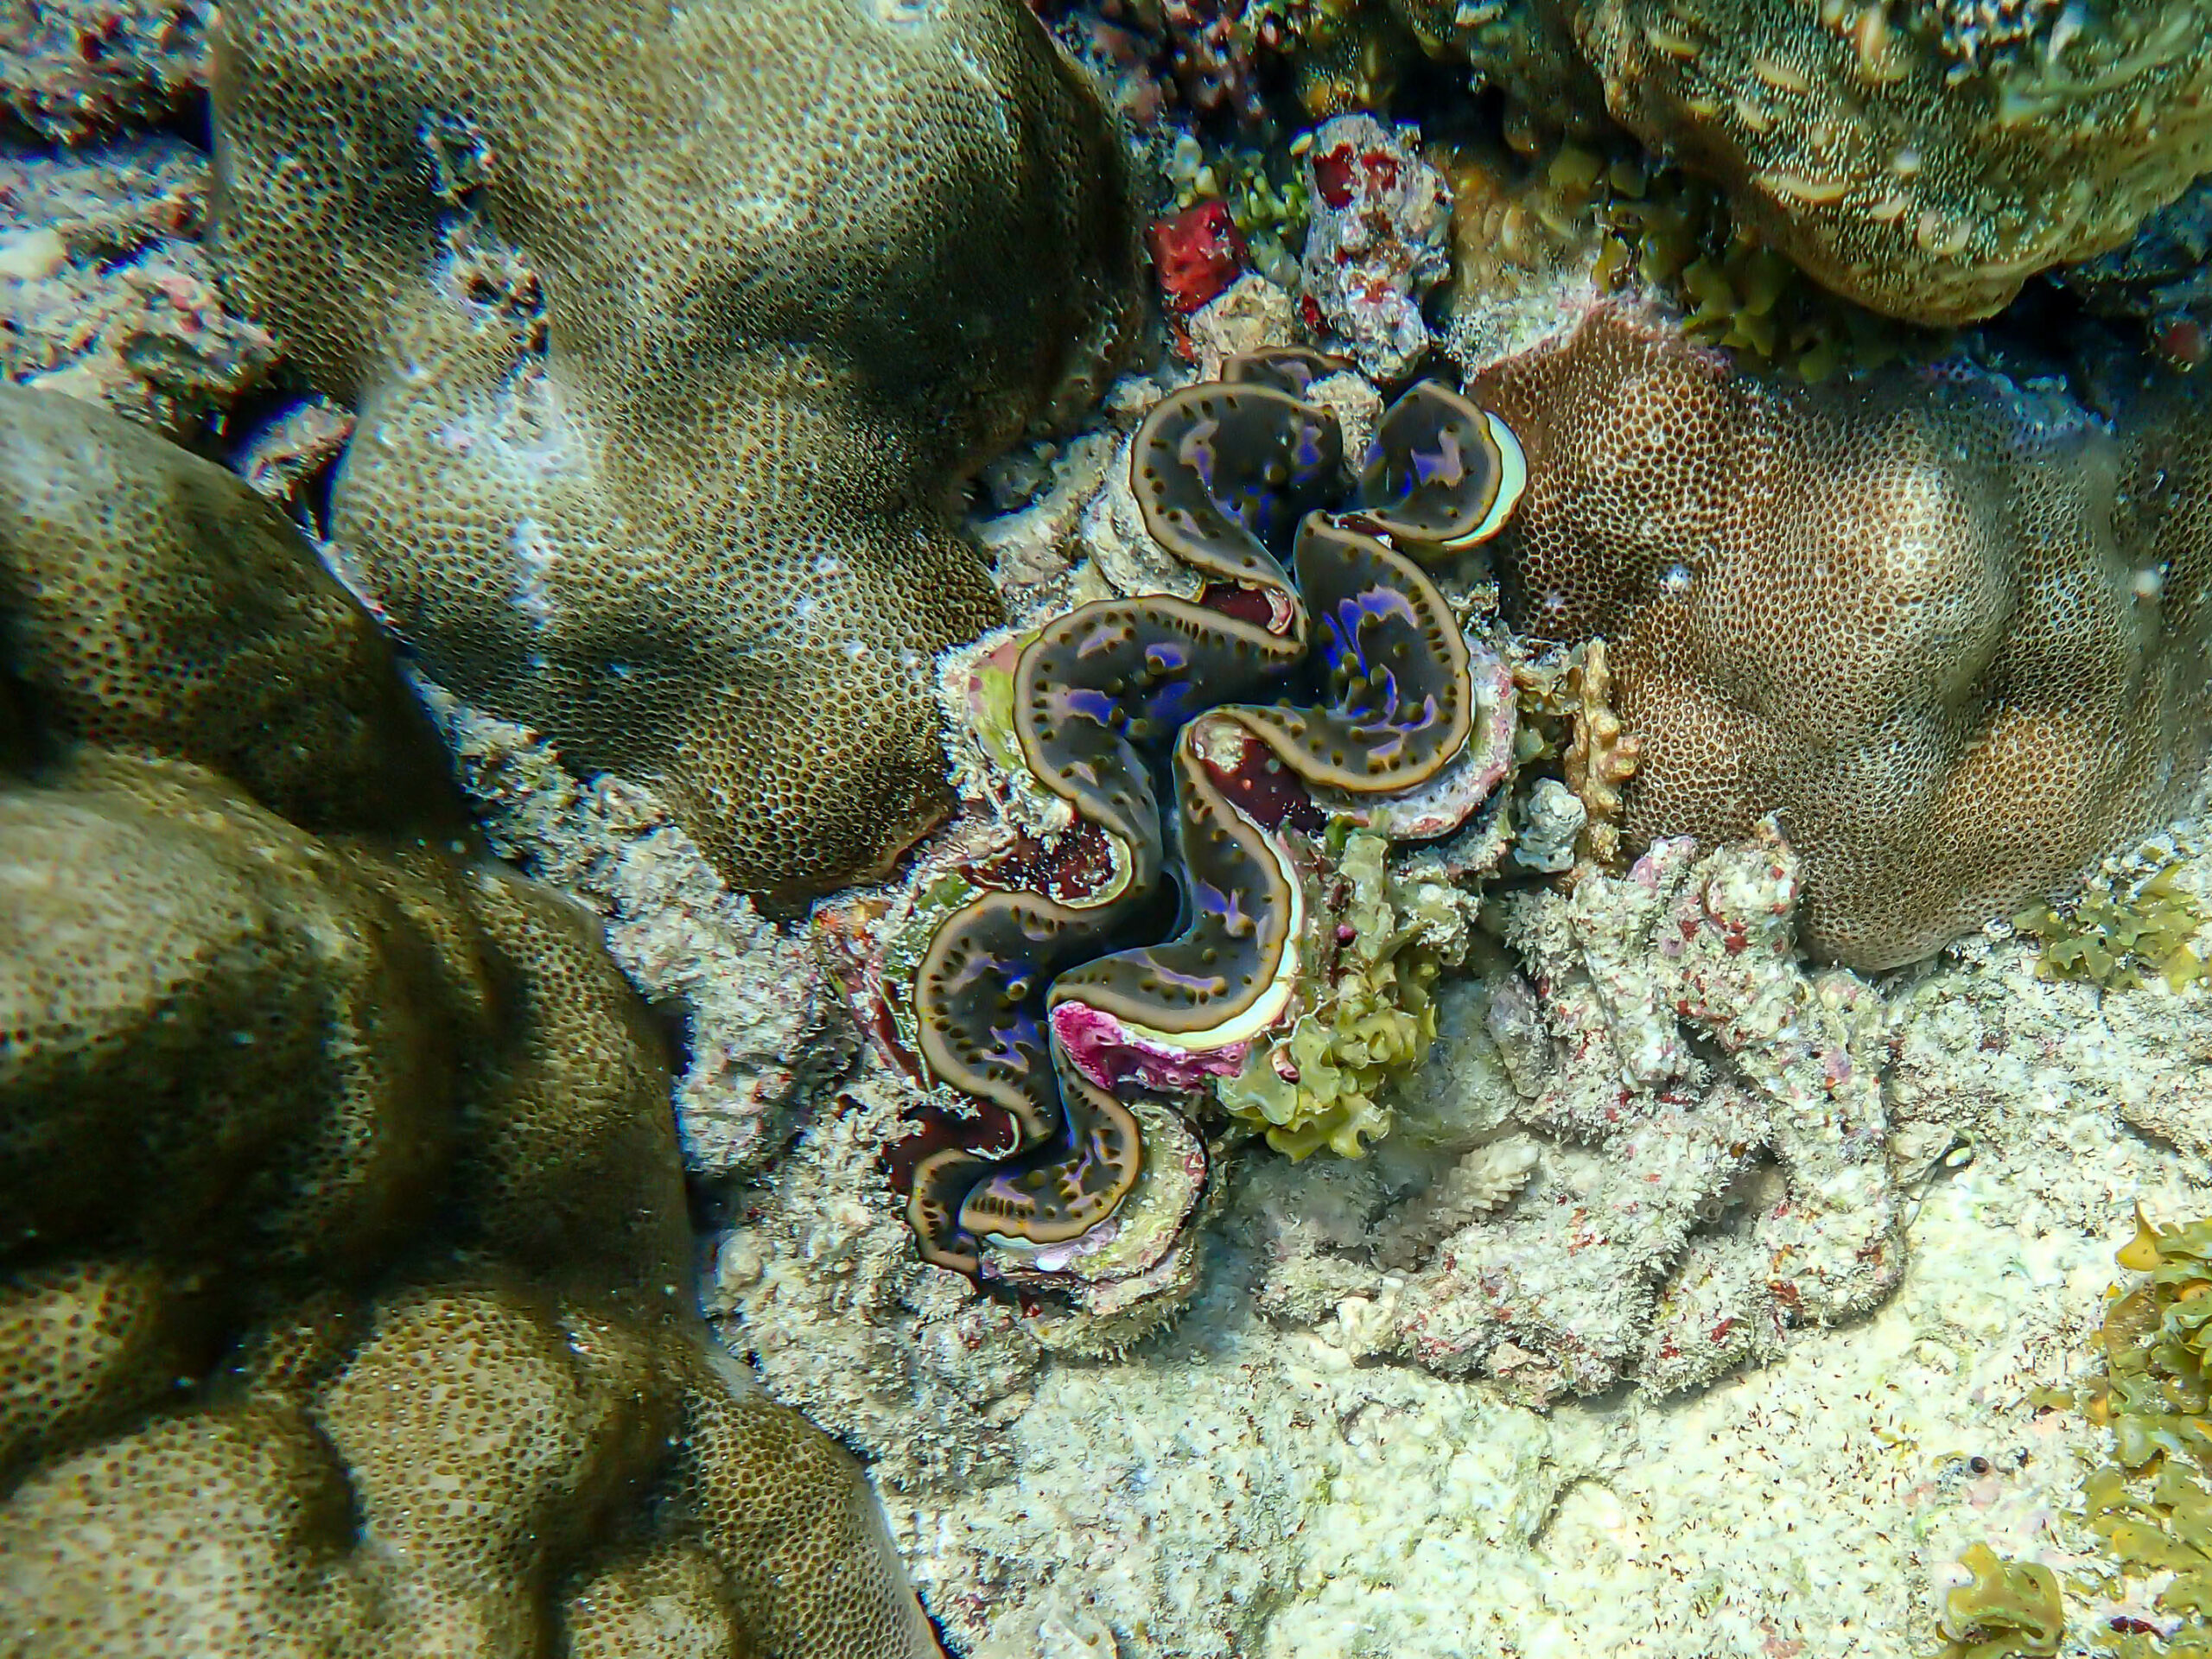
[1924, 159]
[672, 334]
[344, 1278]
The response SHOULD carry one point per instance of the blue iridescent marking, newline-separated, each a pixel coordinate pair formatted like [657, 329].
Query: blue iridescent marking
[1236, 921]
[1174, 703]
[1015, 1046]
[1377, 603]
[1083, 703]
[1196, 450]
[1446, 467]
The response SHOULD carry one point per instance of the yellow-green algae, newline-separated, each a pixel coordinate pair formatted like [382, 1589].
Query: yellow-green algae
[2007, 1608]
[1369, 1014]
[2118, 940]
[2152, 1501]
[1263, 190]
[1603, 201]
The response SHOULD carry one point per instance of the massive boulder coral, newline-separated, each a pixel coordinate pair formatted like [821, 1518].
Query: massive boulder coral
[1923, 159]
[1951, 627]
[672, 334]
[345, 1303]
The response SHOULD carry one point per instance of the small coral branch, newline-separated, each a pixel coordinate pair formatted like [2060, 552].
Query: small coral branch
[1601, 756]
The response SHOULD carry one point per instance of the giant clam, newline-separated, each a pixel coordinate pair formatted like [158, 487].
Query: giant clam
[1266, 707]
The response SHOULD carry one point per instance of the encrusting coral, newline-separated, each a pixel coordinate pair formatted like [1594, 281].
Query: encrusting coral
[346, 1300]
[1012, 1002]
[671, 337]
[1916, 158]
[1950, 627]
[1377, 244]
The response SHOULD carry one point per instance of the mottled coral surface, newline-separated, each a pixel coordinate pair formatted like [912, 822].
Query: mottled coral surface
[345, 1302]
[1924, 159]
[1951, 627]
[671, 336]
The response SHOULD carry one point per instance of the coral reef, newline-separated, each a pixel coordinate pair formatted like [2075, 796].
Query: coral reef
[1239, 1484]
[1923, 160]
[71, 71]
[1229, 476]
[113, 299]
[1540, 220]
[658, 434]
[1950, 627]
[1376, 245]
[1234, 1485]
[345, 1244]
[1712, 1169]
[764, 1036]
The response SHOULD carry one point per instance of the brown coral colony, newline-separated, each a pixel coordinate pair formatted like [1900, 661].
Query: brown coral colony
[1949, 627]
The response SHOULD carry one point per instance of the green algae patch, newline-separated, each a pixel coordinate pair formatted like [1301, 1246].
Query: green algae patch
[1370, 1013]
[2122, 940]
[2007, 1608]
[2150, 1504]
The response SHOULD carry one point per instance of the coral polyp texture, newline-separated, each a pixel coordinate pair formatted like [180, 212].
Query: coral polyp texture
[1924, 159]
[672, 334]
[344, 1297]
[1951, 628]
[1017, 1000]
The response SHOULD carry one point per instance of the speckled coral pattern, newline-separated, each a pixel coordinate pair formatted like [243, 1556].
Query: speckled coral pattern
[671, 335]
[1951, 629]
[131, 637]
[344, 1259]
[1909, 156]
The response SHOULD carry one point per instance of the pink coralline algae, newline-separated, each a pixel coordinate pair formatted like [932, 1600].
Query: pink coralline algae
[1378, 243]
[1196, 254]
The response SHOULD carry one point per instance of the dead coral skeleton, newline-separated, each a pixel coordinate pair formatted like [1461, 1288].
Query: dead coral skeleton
[1712, 1167]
